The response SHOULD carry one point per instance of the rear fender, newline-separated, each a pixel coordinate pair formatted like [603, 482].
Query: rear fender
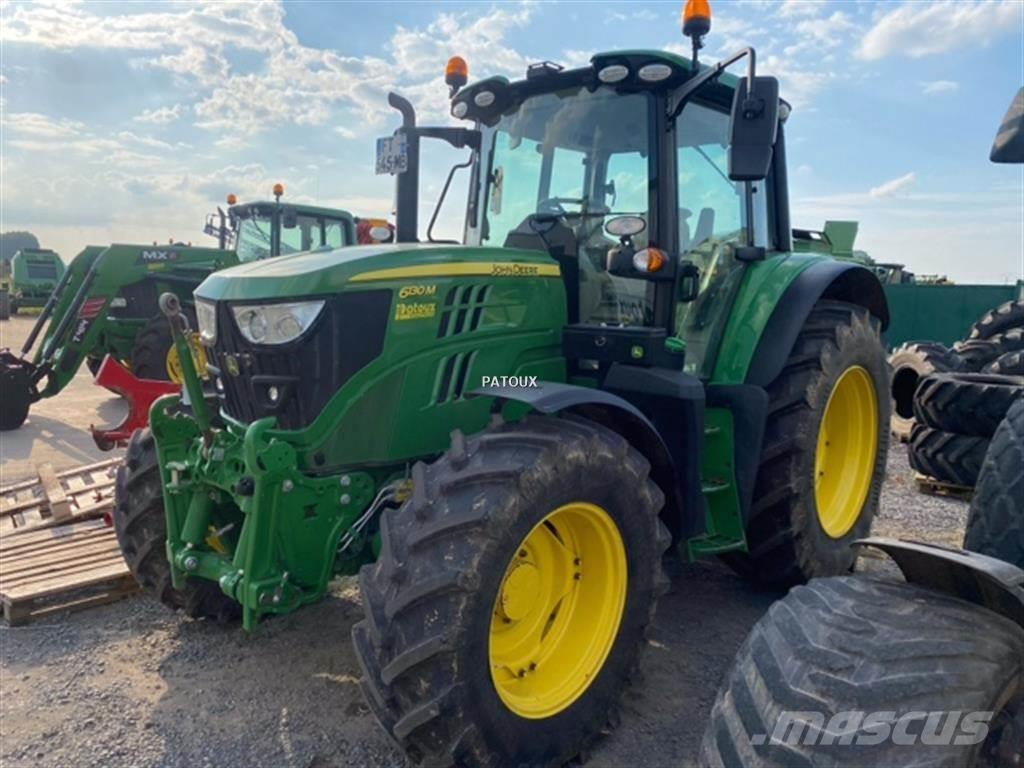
[985, 581]
[826, 279]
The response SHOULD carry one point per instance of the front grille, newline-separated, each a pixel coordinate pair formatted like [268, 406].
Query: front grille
[346, 336]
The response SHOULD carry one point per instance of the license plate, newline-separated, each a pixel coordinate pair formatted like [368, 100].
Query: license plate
[392, 154]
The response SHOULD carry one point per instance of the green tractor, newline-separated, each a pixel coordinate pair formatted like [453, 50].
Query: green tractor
[35, 272]
[503, 436]
[106, 301]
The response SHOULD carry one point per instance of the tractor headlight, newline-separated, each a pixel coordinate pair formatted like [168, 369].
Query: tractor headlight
[206, 319]
[276, 323]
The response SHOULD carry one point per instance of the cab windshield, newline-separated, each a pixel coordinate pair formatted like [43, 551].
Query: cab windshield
[298, 232]
[554, 172]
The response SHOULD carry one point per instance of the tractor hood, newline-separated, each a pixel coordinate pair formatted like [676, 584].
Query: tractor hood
[323, 272]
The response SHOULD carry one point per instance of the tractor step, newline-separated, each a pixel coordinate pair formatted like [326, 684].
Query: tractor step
[138, 393]
[700, 546]
[67, 568]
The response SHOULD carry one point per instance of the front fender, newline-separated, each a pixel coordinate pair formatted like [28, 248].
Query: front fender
[627, 420]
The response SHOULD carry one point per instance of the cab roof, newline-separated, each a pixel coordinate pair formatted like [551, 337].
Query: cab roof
[311, 210]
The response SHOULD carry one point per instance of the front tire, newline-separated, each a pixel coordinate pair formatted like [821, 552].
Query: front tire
[141, 530]
[471, 653]
[855, 647]
[824, 451]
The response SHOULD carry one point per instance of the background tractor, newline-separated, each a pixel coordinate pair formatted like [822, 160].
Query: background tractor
[106, 301]
[688, 382]
[35, 272]
[868, 670]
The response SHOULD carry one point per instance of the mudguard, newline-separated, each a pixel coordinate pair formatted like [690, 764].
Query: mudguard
[615, 412]
[826, 279]
[985, 581]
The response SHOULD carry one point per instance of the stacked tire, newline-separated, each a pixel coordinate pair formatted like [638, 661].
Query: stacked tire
[911, 362]
[956, 415]
[994, 345]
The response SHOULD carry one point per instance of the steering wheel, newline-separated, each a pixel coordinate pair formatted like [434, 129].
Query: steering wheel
[553, 205]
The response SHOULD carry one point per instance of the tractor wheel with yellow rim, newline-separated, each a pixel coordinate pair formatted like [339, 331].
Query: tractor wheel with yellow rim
[506, 612]
[153, 353]
[824, 450]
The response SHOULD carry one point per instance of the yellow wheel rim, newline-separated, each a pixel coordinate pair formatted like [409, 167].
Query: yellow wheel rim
[558, 611]
[199, 360]
[844, 462]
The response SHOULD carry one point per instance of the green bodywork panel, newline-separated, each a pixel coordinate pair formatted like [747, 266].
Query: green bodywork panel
[35, 272]
[762, 286]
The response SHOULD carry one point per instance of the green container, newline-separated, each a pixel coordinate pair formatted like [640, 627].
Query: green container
[943, 313]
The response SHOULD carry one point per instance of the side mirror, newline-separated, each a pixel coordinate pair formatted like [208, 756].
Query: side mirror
[752, 129]
[289, 219]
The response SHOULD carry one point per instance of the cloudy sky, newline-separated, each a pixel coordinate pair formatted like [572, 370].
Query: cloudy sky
[131, 121]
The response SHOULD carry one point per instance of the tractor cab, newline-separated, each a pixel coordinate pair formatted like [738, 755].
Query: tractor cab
[262, 229]
[648, 178]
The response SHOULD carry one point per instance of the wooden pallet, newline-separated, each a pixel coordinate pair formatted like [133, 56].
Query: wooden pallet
[62, 568]
[55, 498]
[934, 487]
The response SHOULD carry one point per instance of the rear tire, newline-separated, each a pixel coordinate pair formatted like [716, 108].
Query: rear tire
[786, 534]
[1009, 364]
[968, 403]
[947, 456]
[975, 354]
[866, 647]
[995, 525]
[910, 363]
[996, 321]
[439, 588]
[142, 535]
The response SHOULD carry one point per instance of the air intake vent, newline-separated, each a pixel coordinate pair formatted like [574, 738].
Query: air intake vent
[463, 307]
[452, 374]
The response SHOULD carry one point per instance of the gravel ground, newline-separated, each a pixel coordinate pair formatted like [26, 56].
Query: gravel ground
[132, 684]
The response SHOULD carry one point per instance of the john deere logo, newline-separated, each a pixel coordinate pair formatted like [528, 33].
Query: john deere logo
[231, 363]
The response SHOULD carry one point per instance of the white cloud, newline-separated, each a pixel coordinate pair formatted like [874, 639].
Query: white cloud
[918, 29]
[893, 186]
[939, 86]
[797, 84]
[40, 126]
[819, 34]
[161, 115]
[791, 8]
[618, 17]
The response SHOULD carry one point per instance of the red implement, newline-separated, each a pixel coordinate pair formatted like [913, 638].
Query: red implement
[140, 394]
